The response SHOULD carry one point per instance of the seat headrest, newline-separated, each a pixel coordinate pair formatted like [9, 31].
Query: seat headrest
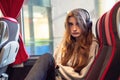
[4, 32]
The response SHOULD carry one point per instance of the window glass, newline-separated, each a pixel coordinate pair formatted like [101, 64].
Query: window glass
[1, 14]
[104, 6]
[37, 25]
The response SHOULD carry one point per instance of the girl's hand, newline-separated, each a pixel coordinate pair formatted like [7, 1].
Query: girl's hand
[56, 66]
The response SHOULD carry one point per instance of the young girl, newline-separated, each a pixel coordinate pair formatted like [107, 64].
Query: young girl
[74, 55]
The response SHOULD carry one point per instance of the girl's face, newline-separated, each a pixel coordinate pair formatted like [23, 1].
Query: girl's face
[75, 29]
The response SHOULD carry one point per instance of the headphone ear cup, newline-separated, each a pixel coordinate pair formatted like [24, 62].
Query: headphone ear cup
[88, 21]
[89, 25]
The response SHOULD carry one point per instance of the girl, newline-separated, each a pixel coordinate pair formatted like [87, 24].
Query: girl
[74, 55]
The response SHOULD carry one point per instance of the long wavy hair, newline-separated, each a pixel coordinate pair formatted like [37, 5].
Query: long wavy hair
[77, 51]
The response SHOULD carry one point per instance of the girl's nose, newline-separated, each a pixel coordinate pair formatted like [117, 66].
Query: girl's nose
[74, 27]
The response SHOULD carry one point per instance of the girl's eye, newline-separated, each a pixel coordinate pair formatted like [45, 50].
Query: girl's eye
[77, 24]
[70, 24]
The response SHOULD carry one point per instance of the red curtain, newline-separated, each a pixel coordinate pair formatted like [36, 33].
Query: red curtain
[11, 8]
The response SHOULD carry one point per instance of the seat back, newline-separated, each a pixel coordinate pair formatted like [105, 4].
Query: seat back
[3, 32]
[8, 41]
[107, 63]
[111, 69]
[96, 67]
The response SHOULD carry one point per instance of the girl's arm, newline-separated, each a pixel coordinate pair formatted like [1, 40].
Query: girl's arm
[69, 73]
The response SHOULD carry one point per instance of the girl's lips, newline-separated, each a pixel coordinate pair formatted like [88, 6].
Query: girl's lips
[75, 33]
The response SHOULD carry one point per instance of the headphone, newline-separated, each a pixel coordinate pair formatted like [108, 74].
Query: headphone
[88, 20]
[85, 13]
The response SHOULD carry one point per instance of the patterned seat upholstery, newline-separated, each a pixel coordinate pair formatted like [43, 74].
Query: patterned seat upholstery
[9, 34]
[107, 63]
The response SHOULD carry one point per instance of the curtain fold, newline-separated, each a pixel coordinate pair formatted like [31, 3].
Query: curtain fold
[11, 8]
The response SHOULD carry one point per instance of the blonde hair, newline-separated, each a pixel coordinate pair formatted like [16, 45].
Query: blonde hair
[77, 51]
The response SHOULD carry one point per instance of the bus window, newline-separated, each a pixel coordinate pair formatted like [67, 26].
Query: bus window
[37, 26]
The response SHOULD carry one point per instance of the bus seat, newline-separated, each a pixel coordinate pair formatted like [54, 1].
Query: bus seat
[107, 68]
[96, 67]
[9, 34]
[111, 69]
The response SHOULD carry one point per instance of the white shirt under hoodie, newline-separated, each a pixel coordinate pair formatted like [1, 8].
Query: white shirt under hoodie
[68, 72]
